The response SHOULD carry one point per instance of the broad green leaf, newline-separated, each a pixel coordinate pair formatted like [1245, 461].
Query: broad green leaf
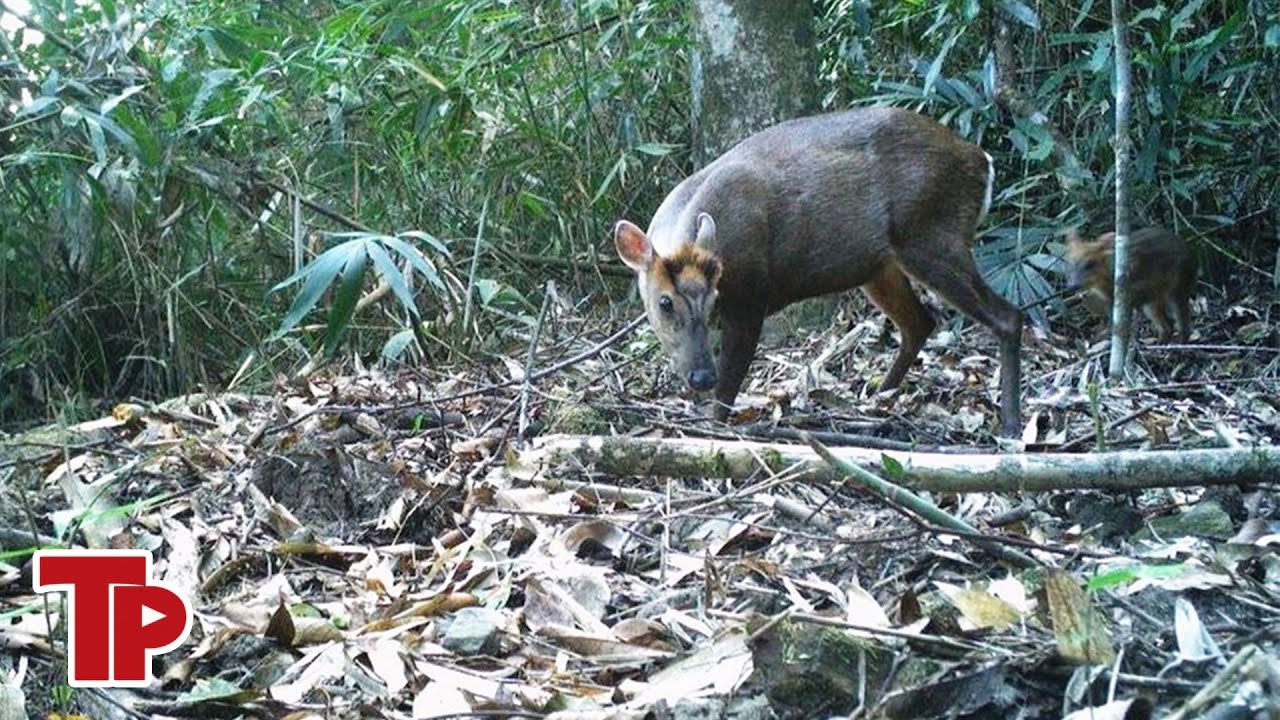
[210, 82]
[416, 259]
[1044, 143]
[1082, 13]
[935, 67]
[210, 688]
[388, 271]
[250, 99]
[1101, 58]
[97, 139]
[169, 71]
[395, 346]
[147, 147]
[1022, 13]
[347, 294]
[486, 290]
[35, 106]
[656, 149]
[1272, 37]
[966, 93]
[989, 76]
[1151, 13]
[318, 276]
[892, 467]
[1127, 575]
[1183, 18]
[427, 238]
[113, 129]
[110, 103]
[614, 172]
[421, 72]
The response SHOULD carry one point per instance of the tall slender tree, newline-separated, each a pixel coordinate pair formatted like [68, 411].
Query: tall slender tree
[1120, 314]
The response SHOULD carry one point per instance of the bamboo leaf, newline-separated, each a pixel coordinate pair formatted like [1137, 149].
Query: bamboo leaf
[1021, 12]
[346, 295]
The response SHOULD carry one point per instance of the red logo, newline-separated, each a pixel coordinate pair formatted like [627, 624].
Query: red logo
[119, 617]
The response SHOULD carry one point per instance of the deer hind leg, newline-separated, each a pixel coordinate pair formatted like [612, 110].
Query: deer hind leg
[891, 291]
[1157, 312]
[943, 262]
[1182, 313]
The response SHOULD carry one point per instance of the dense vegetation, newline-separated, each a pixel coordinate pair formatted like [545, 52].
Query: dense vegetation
[165, 165]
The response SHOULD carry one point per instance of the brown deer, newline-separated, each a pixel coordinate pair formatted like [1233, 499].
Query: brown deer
[1162, 276]
[865, 197]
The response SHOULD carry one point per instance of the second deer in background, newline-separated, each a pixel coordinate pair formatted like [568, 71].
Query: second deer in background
[1162, 276]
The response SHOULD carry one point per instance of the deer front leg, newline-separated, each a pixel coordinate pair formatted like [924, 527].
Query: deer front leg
[741, 333]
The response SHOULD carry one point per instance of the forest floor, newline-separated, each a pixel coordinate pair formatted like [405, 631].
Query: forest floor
[372, 545]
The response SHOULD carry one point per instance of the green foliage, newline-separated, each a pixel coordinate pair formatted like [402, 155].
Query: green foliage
[168, 163]
[1132, 573]
[345, 265]
[1204, 94]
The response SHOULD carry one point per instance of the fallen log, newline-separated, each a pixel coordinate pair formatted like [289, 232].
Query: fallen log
[937, 472]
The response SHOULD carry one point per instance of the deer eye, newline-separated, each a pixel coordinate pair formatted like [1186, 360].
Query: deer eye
[666, 305]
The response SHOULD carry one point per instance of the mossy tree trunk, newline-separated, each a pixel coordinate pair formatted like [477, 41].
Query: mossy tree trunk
[754, 64]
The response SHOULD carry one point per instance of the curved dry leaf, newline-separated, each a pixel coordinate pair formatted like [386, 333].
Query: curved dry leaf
[438, 699]
[475, 685]
[1078, 628]
[863, 609]
[1250, 531]
[979, 610]
[647, 633]
[384, 658]
[1194, 641]
[535, 500]
[602, 532]
[280, 626]
[600, 649]
[182, 562]
[315, 631]
[745, 532]
[717, 668]
[318, 665]
[1011, 590]
[378, 575]
[573, 600]
[438, 605]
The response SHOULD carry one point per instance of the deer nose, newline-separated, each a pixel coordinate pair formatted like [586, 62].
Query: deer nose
[702, 379]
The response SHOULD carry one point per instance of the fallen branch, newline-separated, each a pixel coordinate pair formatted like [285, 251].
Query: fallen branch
[937, 472]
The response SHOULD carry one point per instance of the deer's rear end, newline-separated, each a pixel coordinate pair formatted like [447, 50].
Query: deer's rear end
[819, 205]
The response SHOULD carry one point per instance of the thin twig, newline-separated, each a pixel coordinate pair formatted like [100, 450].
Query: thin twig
[475, 264]
[547, 294]
[1082, 439]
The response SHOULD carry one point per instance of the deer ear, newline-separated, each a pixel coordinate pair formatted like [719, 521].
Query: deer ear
[1105, 240]
[633, 246]
[706, 230]
[1073, 238]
